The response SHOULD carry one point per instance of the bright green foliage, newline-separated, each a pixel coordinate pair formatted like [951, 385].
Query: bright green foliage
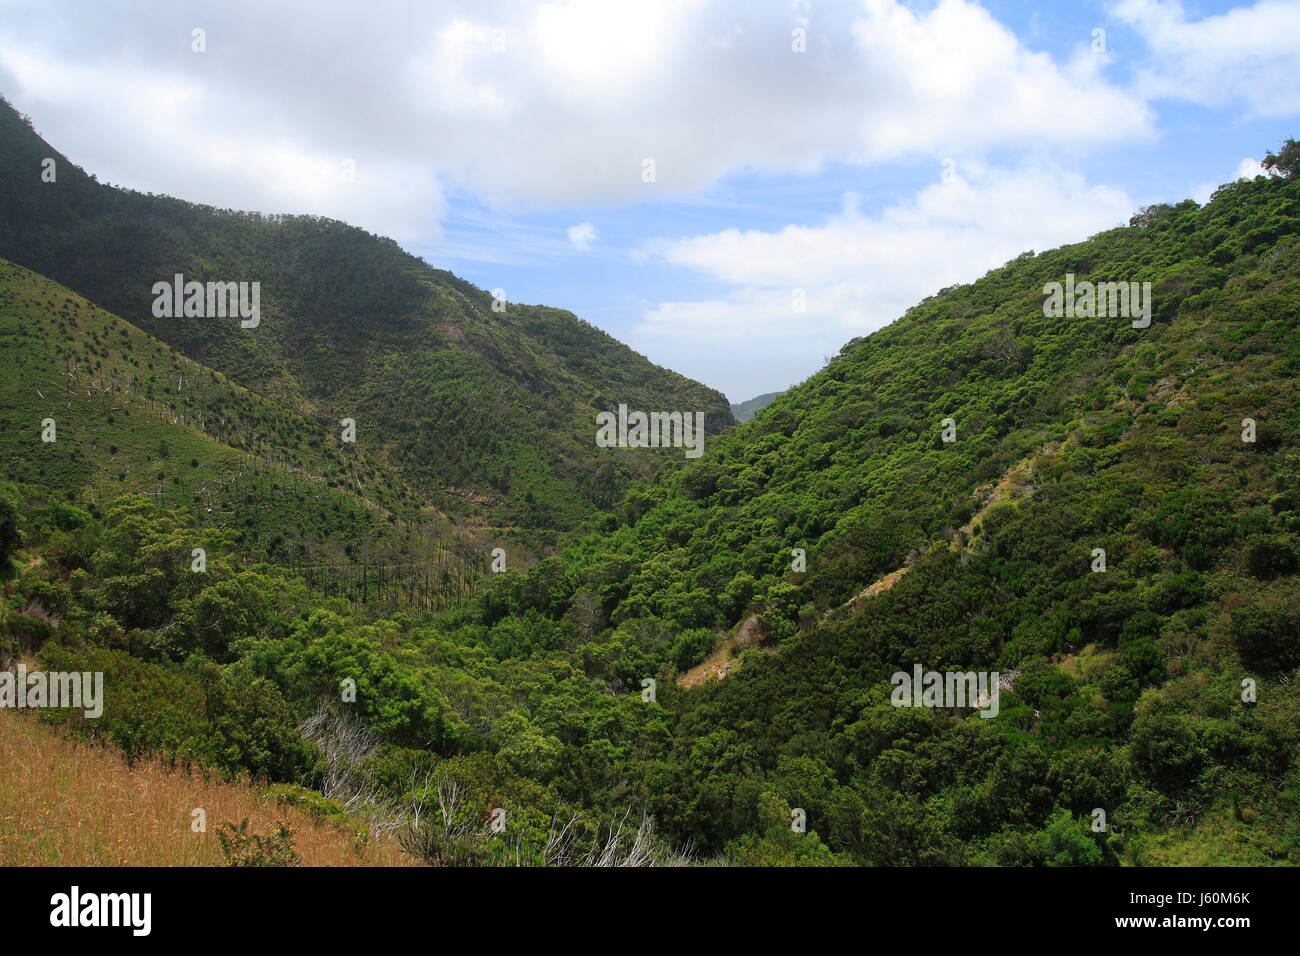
[1161, 690]
[472, 410]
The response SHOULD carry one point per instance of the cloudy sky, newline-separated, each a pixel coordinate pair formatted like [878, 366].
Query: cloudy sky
[733, 187]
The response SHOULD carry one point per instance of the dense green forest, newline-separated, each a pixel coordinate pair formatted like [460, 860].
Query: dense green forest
[936, 496]
[484, 414]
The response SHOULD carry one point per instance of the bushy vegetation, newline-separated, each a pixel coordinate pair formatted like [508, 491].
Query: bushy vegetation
[131, 414]
[480, 413]
[1160, 690]
[1072, 435]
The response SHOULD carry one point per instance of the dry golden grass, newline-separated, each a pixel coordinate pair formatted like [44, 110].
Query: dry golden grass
[65, 803]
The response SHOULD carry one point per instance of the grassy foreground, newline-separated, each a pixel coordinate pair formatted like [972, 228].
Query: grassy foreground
[64, 803]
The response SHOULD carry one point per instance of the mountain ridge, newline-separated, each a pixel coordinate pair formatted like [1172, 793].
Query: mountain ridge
[1108, 511]
[744, 411]
[355, 327]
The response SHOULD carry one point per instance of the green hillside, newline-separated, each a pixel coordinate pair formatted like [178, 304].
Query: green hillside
[132, 415]
[1072, 434]
[746, 410]
[1106, 515]
[490, 414]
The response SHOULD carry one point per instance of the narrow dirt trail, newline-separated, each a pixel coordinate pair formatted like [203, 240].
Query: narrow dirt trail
[1016, 483]
[723, 658]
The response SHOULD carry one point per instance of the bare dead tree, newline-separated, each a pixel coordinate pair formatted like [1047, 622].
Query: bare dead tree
[345, 745]
[620, 845]
[439, 825]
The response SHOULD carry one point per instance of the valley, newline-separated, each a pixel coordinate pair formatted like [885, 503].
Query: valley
[370, 553]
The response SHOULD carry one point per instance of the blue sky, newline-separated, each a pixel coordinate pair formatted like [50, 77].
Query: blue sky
[819, 167]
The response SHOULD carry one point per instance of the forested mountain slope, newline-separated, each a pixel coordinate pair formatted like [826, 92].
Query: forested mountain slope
[1130, 689]
[94, 408]
[941, 495]
[487, 413]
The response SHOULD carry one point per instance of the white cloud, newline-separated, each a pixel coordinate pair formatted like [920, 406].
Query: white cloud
[540, 104]
[1247, 169]
[161, 131]
[1250, 168]
[582, 235]
[859, 272]
[1248, 56]
[604, 44]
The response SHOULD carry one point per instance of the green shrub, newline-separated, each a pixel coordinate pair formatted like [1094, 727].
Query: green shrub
[1271, 556]
[242, 848]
